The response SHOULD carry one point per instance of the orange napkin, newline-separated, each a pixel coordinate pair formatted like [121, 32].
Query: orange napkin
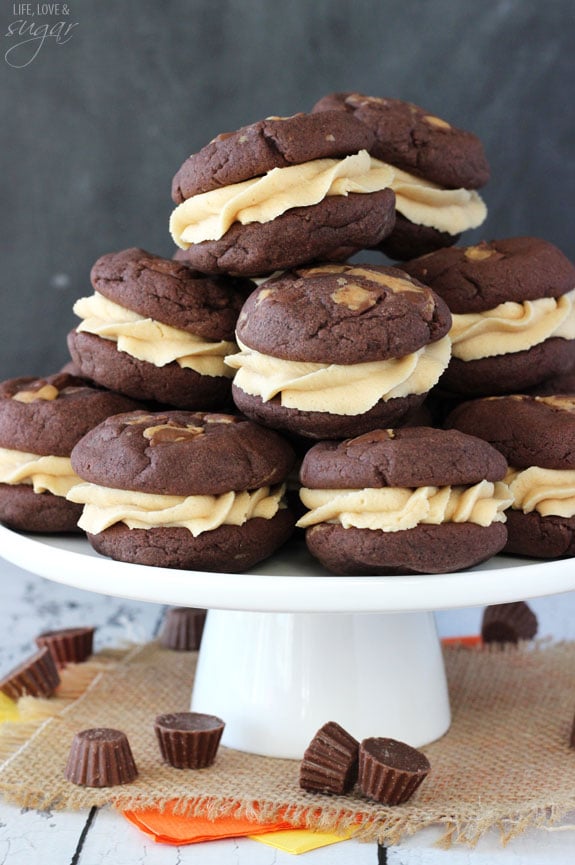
[169, 828]
[166, 827]
[471, 642]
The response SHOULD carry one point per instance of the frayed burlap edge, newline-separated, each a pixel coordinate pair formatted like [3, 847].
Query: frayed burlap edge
[267, 789]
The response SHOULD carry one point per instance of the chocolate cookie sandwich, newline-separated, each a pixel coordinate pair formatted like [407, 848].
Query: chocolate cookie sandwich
[183, 490]
[437, 170]
[409, 500]
[279, 193]
[156, 330]
[335, 350]
[536, 435]
[512, 303]
[41, 419]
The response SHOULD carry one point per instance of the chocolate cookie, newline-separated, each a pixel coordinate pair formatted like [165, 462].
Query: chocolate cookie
[41, 419]
[513, 318]
[334, 350]
[184, 490]
[279, 193]
[536, 434]
[157, 330]
[409, 500]
[423, 146]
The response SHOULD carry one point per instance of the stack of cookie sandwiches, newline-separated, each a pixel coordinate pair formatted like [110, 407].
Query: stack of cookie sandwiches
[271, 346]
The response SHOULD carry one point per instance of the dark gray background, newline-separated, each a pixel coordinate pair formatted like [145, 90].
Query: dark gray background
[93, 130]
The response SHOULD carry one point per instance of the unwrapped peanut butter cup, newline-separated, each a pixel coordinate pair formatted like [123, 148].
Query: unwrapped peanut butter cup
[68, 645]
[329, 763]
[182, 628]
[508, 623]
[100, 757]
[37, 676]
[390, 771]
[188, 740]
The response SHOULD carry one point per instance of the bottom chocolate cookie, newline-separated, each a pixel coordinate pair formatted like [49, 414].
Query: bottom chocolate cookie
[424, 549]
[509, 373]
[408, 240]
[173, 385]
[26, 511]
[228, 548]
[540, 537]
[325, 425]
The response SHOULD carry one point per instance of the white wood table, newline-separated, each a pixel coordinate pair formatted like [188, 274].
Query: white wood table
[29, 604]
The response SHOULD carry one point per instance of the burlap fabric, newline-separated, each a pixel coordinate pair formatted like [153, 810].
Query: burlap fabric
[505, 762]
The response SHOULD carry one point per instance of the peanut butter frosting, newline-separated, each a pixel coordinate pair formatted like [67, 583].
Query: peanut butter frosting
[44, 473]
[394, 509]
[209, 215]
[512, 327]
[335, 388]
[150, 340]
[104, 506]
[550, 492]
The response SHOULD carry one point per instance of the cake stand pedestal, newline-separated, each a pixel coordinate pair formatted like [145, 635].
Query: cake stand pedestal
[287, 646]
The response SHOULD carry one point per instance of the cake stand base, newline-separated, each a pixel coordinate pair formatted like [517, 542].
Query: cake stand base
[276, 678]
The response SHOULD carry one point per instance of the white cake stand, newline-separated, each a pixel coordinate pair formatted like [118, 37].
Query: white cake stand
[288, 646]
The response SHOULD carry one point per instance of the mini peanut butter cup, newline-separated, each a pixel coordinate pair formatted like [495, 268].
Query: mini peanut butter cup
[182, 628]
[508, 623]
[329, 763]
[390, 771]
[68, 645]
[37, 676]
[188, 740]
[100, 757]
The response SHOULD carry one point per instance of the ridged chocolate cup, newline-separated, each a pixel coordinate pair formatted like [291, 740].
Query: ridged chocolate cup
[508, 623]
[330, 761]
[68, 645]
[390, 771]
[188, 740]
[37, 676]
[182, 629]
[100, 757]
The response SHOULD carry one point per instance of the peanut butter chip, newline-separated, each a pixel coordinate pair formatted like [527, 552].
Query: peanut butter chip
[263, 294]
[47, 392]
[163, 433]
[396, 284]
[354, 297]
[478, 253]
[221, 418]
[437, 121]
[567, 403]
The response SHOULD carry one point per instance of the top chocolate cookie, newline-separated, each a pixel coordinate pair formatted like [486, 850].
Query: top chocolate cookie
[48, 416]
[403, 457]
[411, 138]
[275, 142]
[182, 454]
[527, 430]
[342, 314]
[478, 278]
[171, 292]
